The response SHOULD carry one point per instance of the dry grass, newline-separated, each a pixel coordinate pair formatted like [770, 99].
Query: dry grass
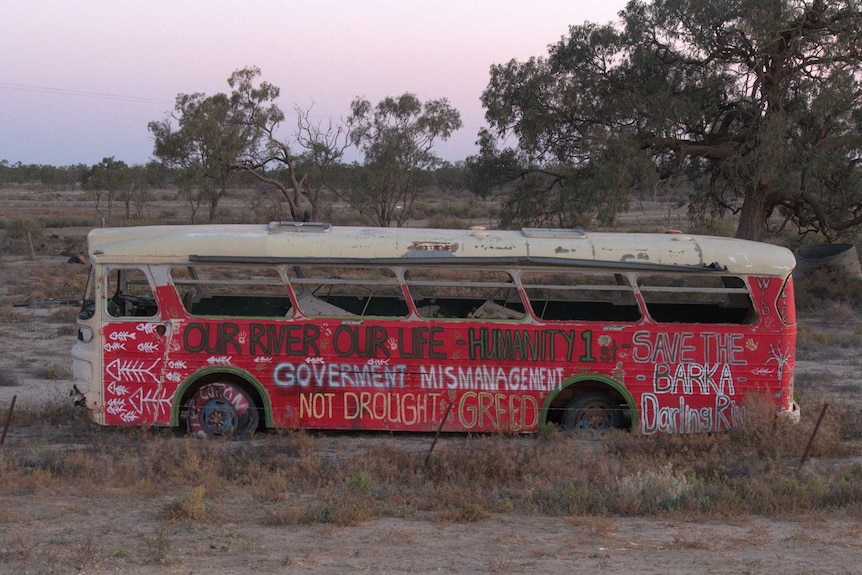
[823, 343]
[190, 506]
[839, 312]
[8, 313]
[8, 379]
[825, 292]
[298, 478]
[302, 478]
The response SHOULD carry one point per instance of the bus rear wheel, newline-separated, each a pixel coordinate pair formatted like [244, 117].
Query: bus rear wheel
[221, 411]
[592, 411]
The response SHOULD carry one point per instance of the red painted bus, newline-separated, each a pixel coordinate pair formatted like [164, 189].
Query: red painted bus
[227, 329]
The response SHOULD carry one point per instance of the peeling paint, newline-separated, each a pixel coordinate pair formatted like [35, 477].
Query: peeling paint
[632, 257]
[426, 246]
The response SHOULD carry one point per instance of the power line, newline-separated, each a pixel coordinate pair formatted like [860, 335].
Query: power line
[83, 94]
[117, 97]
[138, 99]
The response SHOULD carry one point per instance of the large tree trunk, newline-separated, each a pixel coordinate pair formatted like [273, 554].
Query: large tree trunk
[752, 218]
[214, 204]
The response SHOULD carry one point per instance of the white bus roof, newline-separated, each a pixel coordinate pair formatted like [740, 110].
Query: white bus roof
[291, 242]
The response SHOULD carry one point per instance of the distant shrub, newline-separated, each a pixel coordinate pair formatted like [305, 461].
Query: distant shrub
[67, 314]
[9, 314]
[827, 286]
[226, 216]
[54, 371]
[69, 222]
[813, 344]
[8, 379]
[470, 511]
[18, 228]
[448, 222]
[344, 218]
[714, 227]
[838, 312]
[650, 491]
[282, 516]
[65, 330]
[190, 506]
[360, 482]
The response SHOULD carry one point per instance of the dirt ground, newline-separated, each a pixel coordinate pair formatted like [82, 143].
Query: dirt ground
[57, 533]
[126, 535]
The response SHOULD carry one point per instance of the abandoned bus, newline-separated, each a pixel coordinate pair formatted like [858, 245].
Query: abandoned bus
[226, 329]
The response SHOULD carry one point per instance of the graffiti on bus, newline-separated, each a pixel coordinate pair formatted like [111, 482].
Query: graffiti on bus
[357, 371]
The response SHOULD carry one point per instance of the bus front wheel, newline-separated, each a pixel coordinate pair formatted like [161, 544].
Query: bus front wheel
[221, 410]
[592, 411]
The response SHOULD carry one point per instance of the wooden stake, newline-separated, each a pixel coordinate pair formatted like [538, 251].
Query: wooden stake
[30, 241]
[811, 439]
[439, 429]
[8, 420]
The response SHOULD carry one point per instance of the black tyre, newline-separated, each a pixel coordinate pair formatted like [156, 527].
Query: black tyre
[592, 411]
[222, 411]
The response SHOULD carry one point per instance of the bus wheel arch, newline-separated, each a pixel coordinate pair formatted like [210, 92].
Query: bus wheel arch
[221, 402]
[590, 401]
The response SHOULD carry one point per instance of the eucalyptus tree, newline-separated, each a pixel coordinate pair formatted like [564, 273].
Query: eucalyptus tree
[298, 166]
[755, 105]
[397, 138]
[211, 136]
[106, 180]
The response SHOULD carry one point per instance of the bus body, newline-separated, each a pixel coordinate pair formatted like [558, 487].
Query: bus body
[228, 328]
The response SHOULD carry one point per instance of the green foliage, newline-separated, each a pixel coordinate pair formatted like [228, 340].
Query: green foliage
[827, 286]
[224, 137]
[112, 180]
[451, 177]
[212, 135]
[397, 137]
[53, 177]
[18, 228]
[360, 482]
[758, 108]
[54, 371]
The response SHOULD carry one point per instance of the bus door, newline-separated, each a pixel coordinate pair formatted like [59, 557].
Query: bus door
[134, 341]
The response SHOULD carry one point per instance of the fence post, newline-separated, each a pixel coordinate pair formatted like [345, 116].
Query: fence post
[811, 439]
[8, 420]
[439, 429]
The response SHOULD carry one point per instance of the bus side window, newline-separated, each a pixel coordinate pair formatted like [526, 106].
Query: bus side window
[461, 293]
[130, 294]
[697, 298]
[580, 295]
[241, 290]
[361, 291]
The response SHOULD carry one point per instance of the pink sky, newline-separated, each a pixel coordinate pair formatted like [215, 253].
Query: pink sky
[79, 81]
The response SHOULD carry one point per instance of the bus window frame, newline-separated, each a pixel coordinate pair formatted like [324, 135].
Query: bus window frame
[670, 309]
[275, 277]
[122, 299]
[623, 285]
[311, 305]
[486, 308]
